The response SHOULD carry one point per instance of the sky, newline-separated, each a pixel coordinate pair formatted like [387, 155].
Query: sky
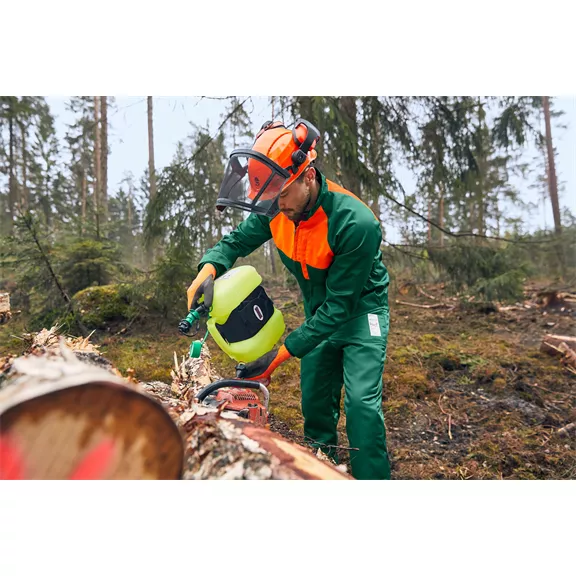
[128, 141]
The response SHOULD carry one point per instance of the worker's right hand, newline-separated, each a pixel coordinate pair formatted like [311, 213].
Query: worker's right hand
[203, 285]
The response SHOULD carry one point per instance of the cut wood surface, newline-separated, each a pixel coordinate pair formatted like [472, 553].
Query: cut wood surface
[61, 418]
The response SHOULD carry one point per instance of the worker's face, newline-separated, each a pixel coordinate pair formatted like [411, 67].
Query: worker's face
[294, 199]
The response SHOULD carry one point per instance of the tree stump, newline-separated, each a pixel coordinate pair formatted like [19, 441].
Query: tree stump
[5, 313]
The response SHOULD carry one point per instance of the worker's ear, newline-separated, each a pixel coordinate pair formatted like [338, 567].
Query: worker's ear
[310, 175]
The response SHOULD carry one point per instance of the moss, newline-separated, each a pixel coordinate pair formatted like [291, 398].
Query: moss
[499, 384]
[397, 408]
[410, 382]
[404, 355]
[101, 305]
[430, 339]
[9, 342]
[150, 356]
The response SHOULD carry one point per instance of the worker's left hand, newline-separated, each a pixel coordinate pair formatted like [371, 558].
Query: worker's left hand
[262, 369]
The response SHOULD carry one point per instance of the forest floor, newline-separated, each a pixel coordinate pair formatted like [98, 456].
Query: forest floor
[467, 392]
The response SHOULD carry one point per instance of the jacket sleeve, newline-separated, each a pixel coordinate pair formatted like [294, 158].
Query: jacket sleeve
[357, 245]
[247, 237]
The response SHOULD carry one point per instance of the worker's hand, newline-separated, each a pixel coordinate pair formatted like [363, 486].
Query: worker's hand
[262, 369]
[203, 285]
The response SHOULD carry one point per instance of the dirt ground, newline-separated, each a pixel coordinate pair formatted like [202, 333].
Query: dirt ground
[467, 392]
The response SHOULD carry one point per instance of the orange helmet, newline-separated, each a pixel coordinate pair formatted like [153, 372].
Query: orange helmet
[277, 158]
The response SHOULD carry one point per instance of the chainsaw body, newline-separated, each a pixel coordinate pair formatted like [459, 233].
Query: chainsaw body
[239, 396]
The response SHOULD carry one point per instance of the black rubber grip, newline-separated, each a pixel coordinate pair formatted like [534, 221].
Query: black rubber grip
[226, 384]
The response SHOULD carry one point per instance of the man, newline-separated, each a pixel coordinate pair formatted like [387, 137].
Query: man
[330, 241]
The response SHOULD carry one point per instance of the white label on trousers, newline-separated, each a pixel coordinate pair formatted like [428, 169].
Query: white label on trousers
[374, 325]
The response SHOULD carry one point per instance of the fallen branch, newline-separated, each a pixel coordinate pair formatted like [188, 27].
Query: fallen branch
[449, 417]
[551, 343]
[29, 223]
[568, 355]
[427, 306]
[567, 428]
[425, 294]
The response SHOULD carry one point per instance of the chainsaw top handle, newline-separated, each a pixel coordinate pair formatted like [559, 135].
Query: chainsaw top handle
[233, 383]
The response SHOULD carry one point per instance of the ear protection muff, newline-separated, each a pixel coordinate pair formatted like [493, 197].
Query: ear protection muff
[306, 135]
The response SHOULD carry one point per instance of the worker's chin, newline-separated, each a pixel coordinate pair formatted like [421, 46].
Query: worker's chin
[291, 214]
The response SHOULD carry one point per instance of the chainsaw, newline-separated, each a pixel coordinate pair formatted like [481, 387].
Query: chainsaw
[230, 394]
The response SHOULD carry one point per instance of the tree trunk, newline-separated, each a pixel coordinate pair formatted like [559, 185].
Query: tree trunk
[97, 166]
[84, 200]
[104, 157]
[552, 182]
[129, 206]
[67, 414]
[11, 160]
[350, 178]
[151, 165]
[482, 169]
[429, 219]
[441, 213]
[24, 188]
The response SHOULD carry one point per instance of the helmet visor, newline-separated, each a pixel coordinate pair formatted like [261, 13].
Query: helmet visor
[252, 182]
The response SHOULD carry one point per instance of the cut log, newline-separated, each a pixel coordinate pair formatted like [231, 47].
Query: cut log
[65, 412]
[220, 445]
[5, 313]
[223, 446]
[61, 417]
[563, 346]
[551, 344]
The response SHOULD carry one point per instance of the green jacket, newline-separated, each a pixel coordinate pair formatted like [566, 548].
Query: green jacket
[334, 254]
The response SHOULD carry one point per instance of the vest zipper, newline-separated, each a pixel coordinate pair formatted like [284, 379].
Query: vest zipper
[302, 260]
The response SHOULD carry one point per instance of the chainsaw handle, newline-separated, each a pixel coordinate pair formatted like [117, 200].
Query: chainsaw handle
[231, 383]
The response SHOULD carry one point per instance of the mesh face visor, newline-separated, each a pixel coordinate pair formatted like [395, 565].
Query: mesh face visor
[252, 182]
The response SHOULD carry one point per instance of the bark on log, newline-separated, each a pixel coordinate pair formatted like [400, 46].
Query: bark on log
[219, 445]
